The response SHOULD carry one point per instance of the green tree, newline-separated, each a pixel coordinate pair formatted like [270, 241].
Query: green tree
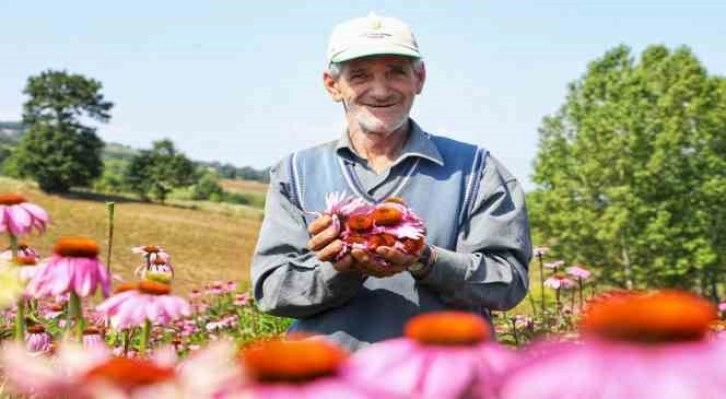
[57, 150]
[208, 187]
[154, 173]
[630, 171]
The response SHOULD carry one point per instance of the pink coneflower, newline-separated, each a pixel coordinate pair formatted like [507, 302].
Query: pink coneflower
[231, 286]
[554, 265]
[37, 339]
[194, 294]
[722, 307]
[45, 376]
[443, 355]
[24, 251]
[242, 299]
[216, 288]
[157, 270]
[540, 251]
[649, 345]
[578, 272]
[149, 301]
[302, 369]
[53, 310]
[152, 252]
[559, 281]
[18, 216]
[74, 266]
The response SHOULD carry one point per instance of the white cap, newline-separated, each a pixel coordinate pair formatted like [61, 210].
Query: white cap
[371, 35]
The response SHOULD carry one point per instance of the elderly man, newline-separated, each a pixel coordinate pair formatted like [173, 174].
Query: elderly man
[477, 234]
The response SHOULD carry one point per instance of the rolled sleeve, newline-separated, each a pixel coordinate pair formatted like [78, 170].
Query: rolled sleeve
[489, 266]
[287, 278]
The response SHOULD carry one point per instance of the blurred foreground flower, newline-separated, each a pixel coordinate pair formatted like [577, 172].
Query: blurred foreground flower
[299, 368]
[18, 216]
[443, 355]
[651, 345]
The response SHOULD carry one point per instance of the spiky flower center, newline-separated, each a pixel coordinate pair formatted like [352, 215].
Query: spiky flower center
[360, 222]
[129, 374]
[447, 328]
[24, 260]
[76, 247]
[292, 361]
[151, 249]
[663, 316]
[154, 287]
[55, 307]
[387, 215]
[36, 329]
[11, 199]
[123, 287]
[91, 331]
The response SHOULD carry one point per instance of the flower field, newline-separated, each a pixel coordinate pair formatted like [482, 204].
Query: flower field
[173, 317]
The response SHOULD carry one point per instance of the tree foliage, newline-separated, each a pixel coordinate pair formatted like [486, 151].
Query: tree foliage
[156, 172]
[57, 150]
[630, 170]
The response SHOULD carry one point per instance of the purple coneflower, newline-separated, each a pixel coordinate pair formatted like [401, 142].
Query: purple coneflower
[559, 281]
[443, 355]
[554, 265]
[578, 272]
[24, 251]
[18, 216]
[242, 299]
[37, 339]
[649, 345]
[295, 368]
[150, 301]
[74, 267]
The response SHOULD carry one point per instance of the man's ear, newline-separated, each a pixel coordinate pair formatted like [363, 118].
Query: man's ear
[331, 86]
[421, 77]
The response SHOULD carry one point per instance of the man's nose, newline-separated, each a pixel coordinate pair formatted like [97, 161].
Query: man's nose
[379, 88]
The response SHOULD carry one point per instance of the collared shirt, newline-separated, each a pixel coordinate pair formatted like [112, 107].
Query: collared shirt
[486, 267]
[375, 184]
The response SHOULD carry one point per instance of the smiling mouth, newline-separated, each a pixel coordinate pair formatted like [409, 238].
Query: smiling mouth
[380, 105]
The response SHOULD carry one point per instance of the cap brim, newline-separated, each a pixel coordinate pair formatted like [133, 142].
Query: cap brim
[367, 51]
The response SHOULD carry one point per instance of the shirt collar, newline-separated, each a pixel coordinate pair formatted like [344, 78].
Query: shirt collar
[419, 144]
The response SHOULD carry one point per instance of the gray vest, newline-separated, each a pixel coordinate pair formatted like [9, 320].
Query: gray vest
[441, 195]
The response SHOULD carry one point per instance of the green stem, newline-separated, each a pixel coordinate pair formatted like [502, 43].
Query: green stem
[145, 335]
[76, 312]
[20, 313]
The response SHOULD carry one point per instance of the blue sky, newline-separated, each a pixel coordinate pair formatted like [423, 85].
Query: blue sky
[240, 81]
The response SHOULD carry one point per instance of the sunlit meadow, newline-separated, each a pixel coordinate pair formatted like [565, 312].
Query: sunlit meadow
[173, 317]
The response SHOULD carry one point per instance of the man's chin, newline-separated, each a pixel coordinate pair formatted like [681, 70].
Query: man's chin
[379, 127]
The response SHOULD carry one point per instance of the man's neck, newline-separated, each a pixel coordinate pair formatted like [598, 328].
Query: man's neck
[381, 150]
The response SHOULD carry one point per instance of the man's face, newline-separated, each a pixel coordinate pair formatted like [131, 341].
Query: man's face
[377, 92]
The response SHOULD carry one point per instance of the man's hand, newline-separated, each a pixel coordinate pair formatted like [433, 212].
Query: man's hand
[326, 244]
[398, 262]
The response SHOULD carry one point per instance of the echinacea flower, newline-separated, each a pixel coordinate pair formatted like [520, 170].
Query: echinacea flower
[722, 306]
[559, 281]
[446, 354]
[24, 251]
[37, 339]
[18, 216]
[93, 338]
[554, 265]
[578, 272]
[74, 266]
[150, 301]
[390, 223]
[157, 270]
[47, 377]
[635, 345]
[152, 252]
[295, 368]
[540, 251]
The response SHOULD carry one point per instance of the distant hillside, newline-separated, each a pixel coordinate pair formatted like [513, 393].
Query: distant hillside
[10, 133]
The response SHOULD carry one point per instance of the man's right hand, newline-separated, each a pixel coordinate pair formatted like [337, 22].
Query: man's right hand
[326, 244]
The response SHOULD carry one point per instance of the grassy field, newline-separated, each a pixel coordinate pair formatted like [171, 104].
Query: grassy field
[207, 241]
